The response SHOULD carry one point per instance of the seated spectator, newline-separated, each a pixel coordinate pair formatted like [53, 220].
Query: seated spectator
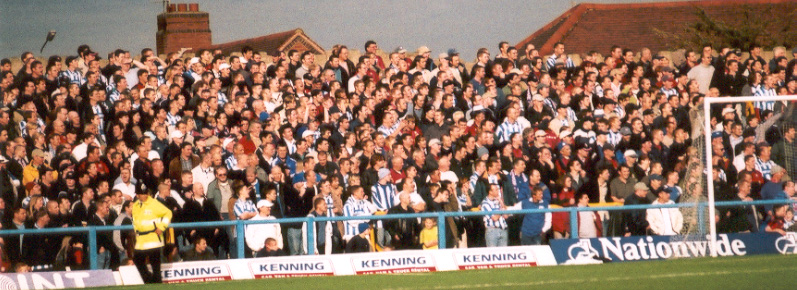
[359, 243]
[199, 252]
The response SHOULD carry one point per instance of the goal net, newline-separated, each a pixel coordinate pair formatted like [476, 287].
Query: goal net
[738, 145]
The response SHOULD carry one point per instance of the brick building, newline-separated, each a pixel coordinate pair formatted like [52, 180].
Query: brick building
[589, 26]
[183, 25]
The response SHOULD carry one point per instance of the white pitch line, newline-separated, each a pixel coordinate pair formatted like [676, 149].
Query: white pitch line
[603, 279]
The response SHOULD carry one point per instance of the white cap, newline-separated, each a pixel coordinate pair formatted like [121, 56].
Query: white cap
[307, 133]
[727, 110]
[538, 97]
[564, 134]
[176, 134]
[226, 142]
[265, 203]
[434, 141]
[193, 60]
[224, 65]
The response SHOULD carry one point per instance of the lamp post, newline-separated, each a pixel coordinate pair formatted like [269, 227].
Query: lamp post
[50, 36]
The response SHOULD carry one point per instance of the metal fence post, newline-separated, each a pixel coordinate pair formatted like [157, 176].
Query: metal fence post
[93, 248]
[701, 217]
[441, 231]
[310, 235]
[573, 222]
[239, 239]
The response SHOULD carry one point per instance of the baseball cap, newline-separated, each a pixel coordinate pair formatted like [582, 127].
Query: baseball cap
[176, 134]
[716, 134]
[224, 65]
[448, 83]
[400, 49]
[539, 133]
[265, 203]
[482, 151]
[630, 153]
[3, 159]
[362, 227]
[384, 172]
[564, 134]
[727, 111]
[656, 177]
[537, 97]
[625, 131]
[776, 169]
[442, 55]
[434, 141]
[423, 49]
[641, 186]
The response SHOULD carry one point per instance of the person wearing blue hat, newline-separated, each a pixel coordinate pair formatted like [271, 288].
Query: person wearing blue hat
[359, 243]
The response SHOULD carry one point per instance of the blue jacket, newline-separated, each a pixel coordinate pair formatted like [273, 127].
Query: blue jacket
[535, 223]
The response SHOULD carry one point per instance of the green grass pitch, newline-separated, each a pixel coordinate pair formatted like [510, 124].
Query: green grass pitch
[751, 272]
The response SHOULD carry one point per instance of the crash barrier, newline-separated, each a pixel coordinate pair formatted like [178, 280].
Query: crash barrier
[240, 225]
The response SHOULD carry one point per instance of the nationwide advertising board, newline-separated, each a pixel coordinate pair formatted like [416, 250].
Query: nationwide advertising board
[57, 280]
[640, 248]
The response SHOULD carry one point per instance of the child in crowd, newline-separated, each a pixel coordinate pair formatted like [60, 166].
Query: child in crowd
[428, 237]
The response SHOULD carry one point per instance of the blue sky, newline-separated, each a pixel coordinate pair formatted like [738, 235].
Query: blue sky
[105, 25]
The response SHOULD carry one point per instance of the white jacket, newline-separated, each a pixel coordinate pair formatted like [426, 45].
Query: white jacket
[327, 237]
[256, 234]
[655, 217]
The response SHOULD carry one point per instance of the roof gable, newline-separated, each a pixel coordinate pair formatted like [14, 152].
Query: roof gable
[588, 26]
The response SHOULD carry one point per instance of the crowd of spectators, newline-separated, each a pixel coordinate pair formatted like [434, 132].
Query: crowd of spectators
[236, 137]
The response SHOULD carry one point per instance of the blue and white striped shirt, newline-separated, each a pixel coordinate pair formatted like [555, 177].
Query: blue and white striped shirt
[388, 131]
[506, 129]
[762, 91]
[552, 62]
[172, 120]
[384, 196]
[614, 137]
[73, 76]
[330, 205]
[764, 167]
[231, 162]
[243, 206]
[355, 208]
[473, 179]
[493, 205]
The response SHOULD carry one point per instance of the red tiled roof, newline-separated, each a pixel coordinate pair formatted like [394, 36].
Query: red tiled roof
[588, 26]
[269, 43]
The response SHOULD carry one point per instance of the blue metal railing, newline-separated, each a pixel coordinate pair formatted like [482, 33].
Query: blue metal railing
[441, 216]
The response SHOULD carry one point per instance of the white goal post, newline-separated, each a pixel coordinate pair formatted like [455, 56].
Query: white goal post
[707, 129]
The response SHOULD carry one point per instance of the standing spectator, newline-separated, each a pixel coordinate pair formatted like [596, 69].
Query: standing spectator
[535, 225]
[589, 222]
[403, 232]
[664, 221]
[257, 234]
[496, 234]
[635, 223]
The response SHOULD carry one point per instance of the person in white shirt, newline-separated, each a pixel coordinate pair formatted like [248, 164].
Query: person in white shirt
[256, 234]
[204, 173]
[665, 221]
[127, 187]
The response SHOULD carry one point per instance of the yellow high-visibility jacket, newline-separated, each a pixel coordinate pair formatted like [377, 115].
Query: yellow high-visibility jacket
[148, 216]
